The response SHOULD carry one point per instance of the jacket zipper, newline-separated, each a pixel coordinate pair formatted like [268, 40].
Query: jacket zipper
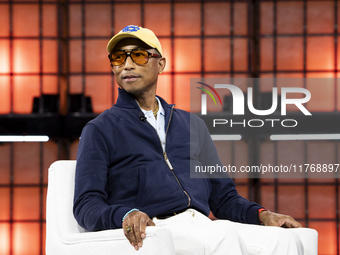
[167, 161]
[172, 171]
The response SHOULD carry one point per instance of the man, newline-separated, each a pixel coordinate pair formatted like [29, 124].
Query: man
[133, 168]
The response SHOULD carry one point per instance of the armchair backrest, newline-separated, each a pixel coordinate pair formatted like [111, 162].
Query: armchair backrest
[60, 222]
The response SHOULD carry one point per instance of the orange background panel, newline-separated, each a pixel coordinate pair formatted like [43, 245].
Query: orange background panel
[323, 95]
[25, 88]
[242, 190]
[26, 238]
[289, 17]
[266, 17]
[188, 55]
[4, 238]
[291, 200]
[240, 54]
[216, 54]
[289, 54]
[50, 155]
[96, 59]
[126, 14]
[268, 197]
[327, 237]
[5, 204]
[99, 88]
[266, 54]
[5, 163]
[187, 19]
[4, 56]
[166, 48]
[26, 203]
[317, 21]
[25, 20]
[5, 106]
[49, 24]
[26, 56]
[240, 19]
[216, 18]
[26, 163]
[44, 197]
[75, 84]
[50, 56]
[4, 20]
[182, 91]
[164, 88]
[321, 197]
[290, 75]
[320, 75]
[75, 19]
[157, 18]
[320, 52]
[50, 84]
[75, 56]
[97, 16]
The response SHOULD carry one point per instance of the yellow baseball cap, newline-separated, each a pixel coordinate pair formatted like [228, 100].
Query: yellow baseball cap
[143, 34]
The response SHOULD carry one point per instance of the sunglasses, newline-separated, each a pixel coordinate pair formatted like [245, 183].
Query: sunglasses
[139, 56]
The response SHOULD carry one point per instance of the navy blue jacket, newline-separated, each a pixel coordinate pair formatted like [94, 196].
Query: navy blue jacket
[121, 165]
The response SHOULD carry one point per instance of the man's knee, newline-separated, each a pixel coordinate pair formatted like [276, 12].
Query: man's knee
[287, 241]
[226, 239]
[290, 238]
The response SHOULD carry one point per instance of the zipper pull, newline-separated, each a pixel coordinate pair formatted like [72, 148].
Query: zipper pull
[167, 161]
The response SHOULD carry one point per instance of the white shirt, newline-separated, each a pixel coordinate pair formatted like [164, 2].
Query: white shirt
[159, 123]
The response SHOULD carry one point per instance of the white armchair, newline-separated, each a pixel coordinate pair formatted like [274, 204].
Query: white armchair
[65, 236]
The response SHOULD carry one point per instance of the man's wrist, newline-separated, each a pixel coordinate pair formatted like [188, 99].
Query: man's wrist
[126, 214]
[259, 211]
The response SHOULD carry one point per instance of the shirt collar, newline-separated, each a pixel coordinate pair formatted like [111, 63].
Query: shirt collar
[160, 110]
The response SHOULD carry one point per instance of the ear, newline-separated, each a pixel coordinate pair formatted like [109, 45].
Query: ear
[161, 65]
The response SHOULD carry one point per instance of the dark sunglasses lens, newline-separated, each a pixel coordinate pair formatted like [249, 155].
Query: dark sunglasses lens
[118, 58]
[140, 56]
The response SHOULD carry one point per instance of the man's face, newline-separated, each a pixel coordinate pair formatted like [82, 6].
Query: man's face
[133, 78]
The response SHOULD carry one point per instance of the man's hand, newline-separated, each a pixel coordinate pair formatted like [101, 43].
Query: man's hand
[279, 220]
[137, 221]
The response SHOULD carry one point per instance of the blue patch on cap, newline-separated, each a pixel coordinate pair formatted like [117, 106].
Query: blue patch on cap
[130, 29]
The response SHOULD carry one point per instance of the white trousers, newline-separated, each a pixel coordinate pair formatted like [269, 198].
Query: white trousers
[194, 233]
